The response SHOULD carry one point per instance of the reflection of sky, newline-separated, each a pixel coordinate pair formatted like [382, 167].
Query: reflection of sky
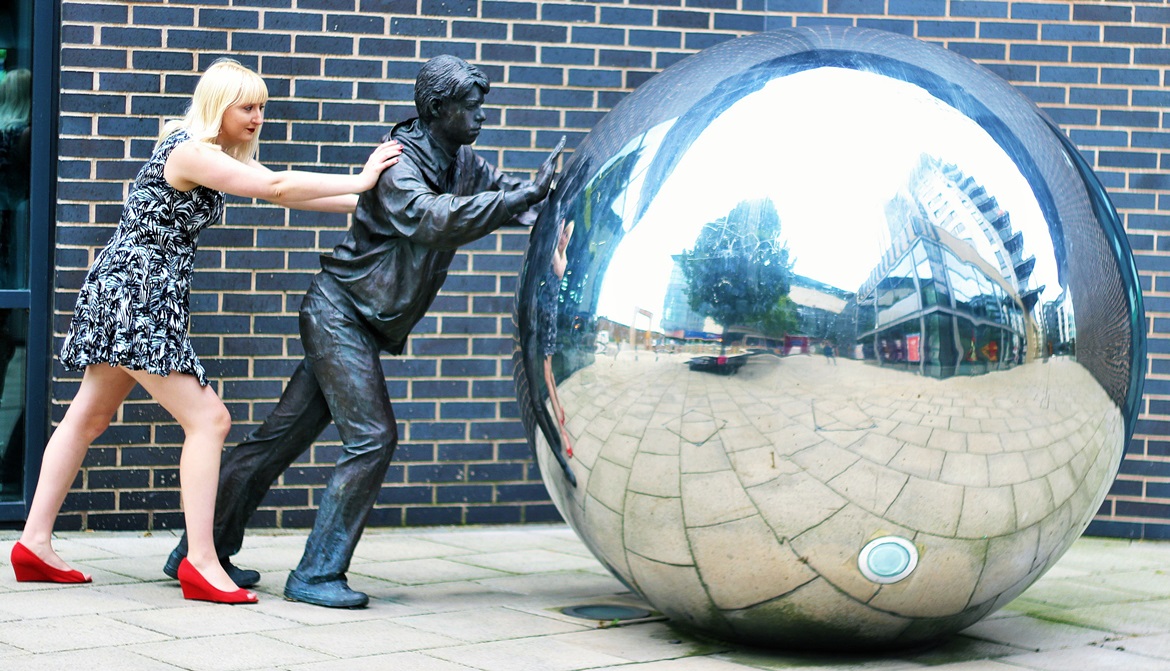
[830, 147]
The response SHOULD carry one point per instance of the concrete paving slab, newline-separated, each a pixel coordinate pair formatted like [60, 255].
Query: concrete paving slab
[562, 586]
[653, 641]
[442, 597]
[370, 637]
[280, 558]
[488, 598]
[958, 648]
[982, 665]
[53, 601]
[308, 615]
[1086, 659]
[1148, 646]
[688, 664]
[130, 545]
[507, 538]
[149, 595]
[395, 549]
[1146, 583]
[426, 571]
[79, 632]
[235, 652]
[1126, 619]
[481, 625]
[1109, 556]
[522, 655]
[399, 661]
[204, 620]
[528, 562]
[818, 662]
[1080, 591]
[125, 569]
[98, 658]
[1026, 632]
[11, 651]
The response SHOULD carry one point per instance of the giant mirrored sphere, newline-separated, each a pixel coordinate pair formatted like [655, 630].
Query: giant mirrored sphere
[828, 338]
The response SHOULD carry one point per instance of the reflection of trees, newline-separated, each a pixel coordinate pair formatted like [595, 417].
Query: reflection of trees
[781, 319]
[738, 270]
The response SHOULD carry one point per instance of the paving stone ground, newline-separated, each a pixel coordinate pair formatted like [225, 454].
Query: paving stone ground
[491, 599]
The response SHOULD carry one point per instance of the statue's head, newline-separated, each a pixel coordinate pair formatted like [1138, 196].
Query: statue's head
[443, 79]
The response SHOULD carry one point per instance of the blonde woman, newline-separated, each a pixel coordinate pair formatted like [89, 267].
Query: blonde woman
[131, 321]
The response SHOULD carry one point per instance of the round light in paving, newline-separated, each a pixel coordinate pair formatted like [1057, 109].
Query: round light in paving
[813, 287]
[888, 559]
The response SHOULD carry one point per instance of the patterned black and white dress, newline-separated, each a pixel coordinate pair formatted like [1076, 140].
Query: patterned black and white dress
[134, 309]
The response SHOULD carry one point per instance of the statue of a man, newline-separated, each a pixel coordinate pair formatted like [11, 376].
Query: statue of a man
[371, 291]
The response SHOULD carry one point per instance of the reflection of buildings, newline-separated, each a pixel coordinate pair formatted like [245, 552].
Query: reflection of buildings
[1059, 327]
[620, 336]
[952, 295]
[576, 308]
[679, 321]
[818, 309]
[822, 313]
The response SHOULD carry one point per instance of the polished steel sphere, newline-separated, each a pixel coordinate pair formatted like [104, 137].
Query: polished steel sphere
[828, 338]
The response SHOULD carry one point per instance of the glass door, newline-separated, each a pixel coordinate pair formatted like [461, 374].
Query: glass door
[28, 113]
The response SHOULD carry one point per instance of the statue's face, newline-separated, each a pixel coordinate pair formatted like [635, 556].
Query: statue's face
[458, 120]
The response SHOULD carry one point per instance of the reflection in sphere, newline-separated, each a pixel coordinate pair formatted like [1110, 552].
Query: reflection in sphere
[828, 338]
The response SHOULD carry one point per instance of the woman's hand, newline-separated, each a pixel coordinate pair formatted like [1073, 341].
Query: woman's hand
[384, 156]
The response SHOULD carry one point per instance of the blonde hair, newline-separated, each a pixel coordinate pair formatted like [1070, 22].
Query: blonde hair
[15, 99]
[225, 83]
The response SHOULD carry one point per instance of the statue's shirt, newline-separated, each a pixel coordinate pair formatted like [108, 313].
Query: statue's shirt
[407, 229]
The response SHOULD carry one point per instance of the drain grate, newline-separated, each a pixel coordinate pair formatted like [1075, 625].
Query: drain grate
[606, 612]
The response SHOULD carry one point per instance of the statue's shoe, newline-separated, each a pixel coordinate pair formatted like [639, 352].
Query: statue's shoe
[331, 594]
[243, 577]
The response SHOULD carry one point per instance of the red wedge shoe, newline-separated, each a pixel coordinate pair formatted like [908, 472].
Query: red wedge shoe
[196, 588]
[30, 568]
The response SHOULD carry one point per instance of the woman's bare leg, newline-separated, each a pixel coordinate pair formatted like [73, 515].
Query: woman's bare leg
[551, 383]
[102, 390]
[205, 423]
[558, 409]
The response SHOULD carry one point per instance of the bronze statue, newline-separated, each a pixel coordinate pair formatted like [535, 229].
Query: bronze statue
[371, 291]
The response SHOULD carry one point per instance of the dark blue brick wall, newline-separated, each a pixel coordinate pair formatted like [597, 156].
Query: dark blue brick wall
[341, 73]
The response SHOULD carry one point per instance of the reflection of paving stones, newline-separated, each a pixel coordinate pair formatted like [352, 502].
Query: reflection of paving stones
[696, 487]
[696, 427]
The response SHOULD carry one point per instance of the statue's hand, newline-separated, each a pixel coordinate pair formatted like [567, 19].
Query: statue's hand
[383, 156]
[544, 176]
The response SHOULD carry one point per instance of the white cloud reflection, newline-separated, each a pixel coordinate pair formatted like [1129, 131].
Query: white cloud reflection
[830, 147]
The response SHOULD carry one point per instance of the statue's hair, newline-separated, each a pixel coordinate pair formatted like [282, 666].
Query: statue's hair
[225, 83]
[445, 78]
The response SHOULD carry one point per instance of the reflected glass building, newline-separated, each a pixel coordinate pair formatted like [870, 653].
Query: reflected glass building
[937, 303]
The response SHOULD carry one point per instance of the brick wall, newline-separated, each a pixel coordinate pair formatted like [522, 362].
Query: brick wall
[340, 72]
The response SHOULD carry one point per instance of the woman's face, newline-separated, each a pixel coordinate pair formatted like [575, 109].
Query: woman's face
[241, 122]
